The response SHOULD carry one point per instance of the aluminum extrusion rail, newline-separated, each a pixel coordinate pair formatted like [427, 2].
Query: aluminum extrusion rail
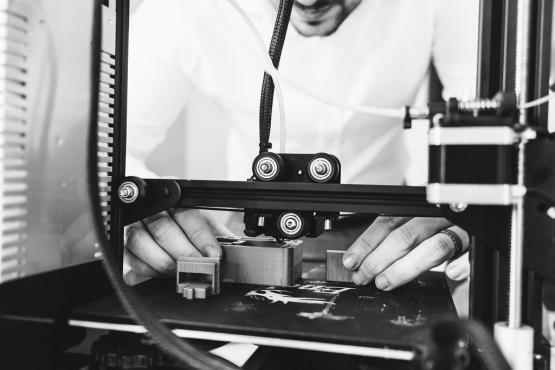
[391, 200]
[161, 194]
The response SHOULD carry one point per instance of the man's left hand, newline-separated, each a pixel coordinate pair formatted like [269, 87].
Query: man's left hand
[395, 250]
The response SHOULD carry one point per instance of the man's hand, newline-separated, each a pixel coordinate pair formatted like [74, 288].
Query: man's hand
[395, 250]
[154, 244]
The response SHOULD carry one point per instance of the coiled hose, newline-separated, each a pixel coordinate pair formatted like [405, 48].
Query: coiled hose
[267, 94]
[484, 346]
[184, 352]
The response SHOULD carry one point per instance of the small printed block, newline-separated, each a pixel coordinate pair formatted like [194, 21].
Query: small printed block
[335, 271]
[190, 274]
[261, 261]
[197, 290]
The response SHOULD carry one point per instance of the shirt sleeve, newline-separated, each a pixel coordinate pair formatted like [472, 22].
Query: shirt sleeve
[158, 89]
[455, 47]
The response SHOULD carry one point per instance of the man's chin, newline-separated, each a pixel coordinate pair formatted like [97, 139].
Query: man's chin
[323, 17]
[312, 29]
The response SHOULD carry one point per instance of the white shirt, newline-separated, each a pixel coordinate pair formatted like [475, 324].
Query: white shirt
[379, 56]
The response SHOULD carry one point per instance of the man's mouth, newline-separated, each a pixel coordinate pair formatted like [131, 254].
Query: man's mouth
[316, 9]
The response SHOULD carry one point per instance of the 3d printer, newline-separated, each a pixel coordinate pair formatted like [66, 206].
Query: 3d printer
[490, 172]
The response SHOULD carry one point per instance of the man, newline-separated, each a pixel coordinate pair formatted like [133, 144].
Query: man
[369, 52]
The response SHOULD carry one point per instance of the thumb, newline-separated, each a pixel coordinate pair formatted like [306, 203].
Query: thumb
[458, 269]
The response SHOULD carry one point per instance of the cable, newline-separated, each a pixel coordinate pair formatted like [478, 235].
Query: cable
[268, 68]
[535, 103]
[267, 94]
[178, 348]
[372, 111]
[278, 78]
[485, 347]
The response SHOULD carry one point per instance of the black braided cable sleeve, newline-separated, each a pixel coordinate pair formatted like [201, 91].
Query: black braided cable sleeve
[267, 94]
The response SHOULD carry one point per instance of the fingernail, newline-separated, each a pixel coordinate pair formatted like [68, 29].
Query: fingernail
[381, 282]
[213, 251]
[358, 279]
[455, 272]
[349, 261]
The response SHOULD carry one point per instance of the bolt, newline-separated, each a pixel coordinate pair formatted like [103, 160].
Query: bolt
[320, 169]
[266, 168]
[458, 207]
[128, 192]
[327, 224]
[290, 224]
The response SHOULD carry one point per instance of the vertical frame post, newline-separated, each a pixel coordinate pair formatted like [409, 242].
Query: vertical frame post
[120, 126]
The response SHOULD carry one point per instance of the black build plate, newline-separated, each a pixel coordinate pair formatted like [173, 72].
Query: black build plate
[322, 312]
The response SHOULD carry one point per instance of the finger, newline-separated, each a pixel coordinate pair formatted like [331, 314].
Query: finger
[396, 245]
[198, 231]
[132, 278]
[141, 244]
[428, 254]
[217, 222]
[138, 266]
[459, 268]
[370, 239]
[169, 235]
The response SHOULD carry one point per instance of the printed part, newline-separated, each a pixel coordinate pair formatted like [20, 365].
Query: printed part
[198, 277]
[261, 262]
[335, 271]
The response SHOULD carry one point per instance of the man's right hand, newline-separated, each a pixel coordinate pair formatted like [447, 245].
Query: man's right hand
[154, 244]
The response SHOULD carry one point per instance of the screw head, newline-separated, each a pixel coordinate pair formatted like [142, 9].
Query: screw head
[128, 192]
[458, 207]
[266, 168]
[290, 224]
[321, 169]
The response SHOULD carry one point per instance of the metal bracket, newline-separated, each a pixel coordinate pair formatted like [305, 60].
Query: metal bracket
[154, 197]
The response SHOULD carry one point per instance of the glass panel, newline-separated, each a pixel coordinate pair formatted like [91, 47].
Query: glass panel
[45, 88]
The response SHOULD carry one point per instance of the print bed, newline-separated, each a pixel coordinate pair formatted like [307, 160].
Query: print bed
[335, 317]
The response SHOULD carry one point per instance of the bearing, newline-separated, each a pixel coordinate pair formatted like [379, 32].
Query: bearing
[321, 169]
[291, 224]
[128, 192]
[266, 168]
